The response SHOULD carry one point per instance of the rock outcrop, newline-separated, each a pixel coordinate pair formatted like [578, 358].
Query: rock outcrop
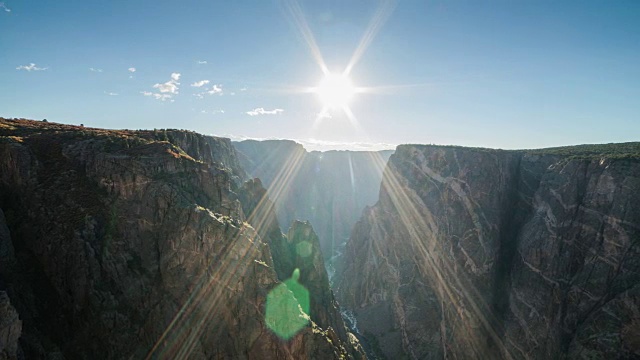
[10, 329]
[209, 149]
[478, 253]
[10, 323]
[298, 252]
[128, 245]
[329, 189]
[301, 250]
[7, 253]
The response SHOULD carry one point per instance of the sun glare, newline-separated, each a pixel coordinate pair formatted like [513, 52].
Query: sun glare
[335, 90]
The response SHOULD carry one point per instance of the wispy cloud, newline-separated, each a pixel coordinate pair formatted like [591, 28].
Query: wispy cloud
[131, 69]
[215, 89]
[201, 62]
[200, 83]
[95, 70]
[243, 89]
[262, 111]
[30, 67]
[163, 97]
[4, 7]
[170, 86]
[111, 93]
[214, 112]
[324, 114]
[166, 90]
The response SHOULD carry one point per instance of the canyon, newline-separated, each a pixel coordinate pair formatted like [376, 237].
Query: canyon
[169, 244]
[329, 189]
[135, 244]
[480, 253]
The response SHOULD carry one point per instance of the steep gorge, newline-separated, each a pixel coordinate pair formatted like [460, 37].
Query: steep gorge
[479, 253]
[329, 189]
[134, 244]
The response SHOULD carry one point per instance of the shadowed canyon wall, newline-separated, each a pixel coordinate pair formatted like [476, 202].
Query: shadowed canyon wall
[135, 244]
[155, 244]
[478, 253]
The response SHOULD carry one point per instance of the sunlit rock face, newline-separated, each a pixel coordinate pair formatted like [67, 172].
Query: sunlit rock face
[122, 244]
[302, 249]
[477, 253]
[297, 252]
[329, 189]
[209, 149]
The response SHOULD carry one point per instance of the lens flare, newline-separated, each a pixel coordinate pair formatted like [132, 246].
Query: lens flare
[287, 310]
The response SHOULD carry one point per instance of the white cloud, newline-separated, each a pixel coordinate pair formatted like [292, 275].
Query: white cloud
[262, 111]
[219, 111]
[202, 62]
[325, 114]
[163, 97]
[200, 83]
[132, 69]
[243, 89]
[170, 86]
[215, 89]
[95, 70]
[4, 7]
[111, 93]
[30, 67]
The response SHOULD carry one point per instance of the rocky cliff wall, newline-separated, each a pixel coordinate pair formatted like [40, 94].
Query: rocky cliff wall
[127, 246]
[297, 251]
[477, 253]
[329, 189]
[209, 149]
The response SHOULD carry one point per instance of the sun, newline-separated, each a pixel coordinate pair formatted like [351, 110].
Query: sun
[335, 90]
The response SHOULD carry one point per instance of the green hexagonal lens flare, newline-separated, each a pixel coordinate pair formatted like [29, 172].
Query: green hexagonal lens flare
[287, 309]
[304, 248]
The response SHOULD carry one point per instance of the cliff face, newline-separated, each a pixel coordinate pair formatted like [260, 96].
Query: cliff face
[299, 252]
[125, 245]
[302, 249]
[10, 323]
[329, 189]
[475, 253]
[209, 149]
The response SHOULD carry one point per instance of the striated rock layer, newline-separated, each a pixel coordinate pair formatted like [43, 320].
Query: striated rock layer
[478, 253]
[125, 244]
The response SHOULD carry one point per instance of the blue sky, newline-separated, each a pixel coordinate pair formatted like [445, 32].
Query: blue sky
[505, 74]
